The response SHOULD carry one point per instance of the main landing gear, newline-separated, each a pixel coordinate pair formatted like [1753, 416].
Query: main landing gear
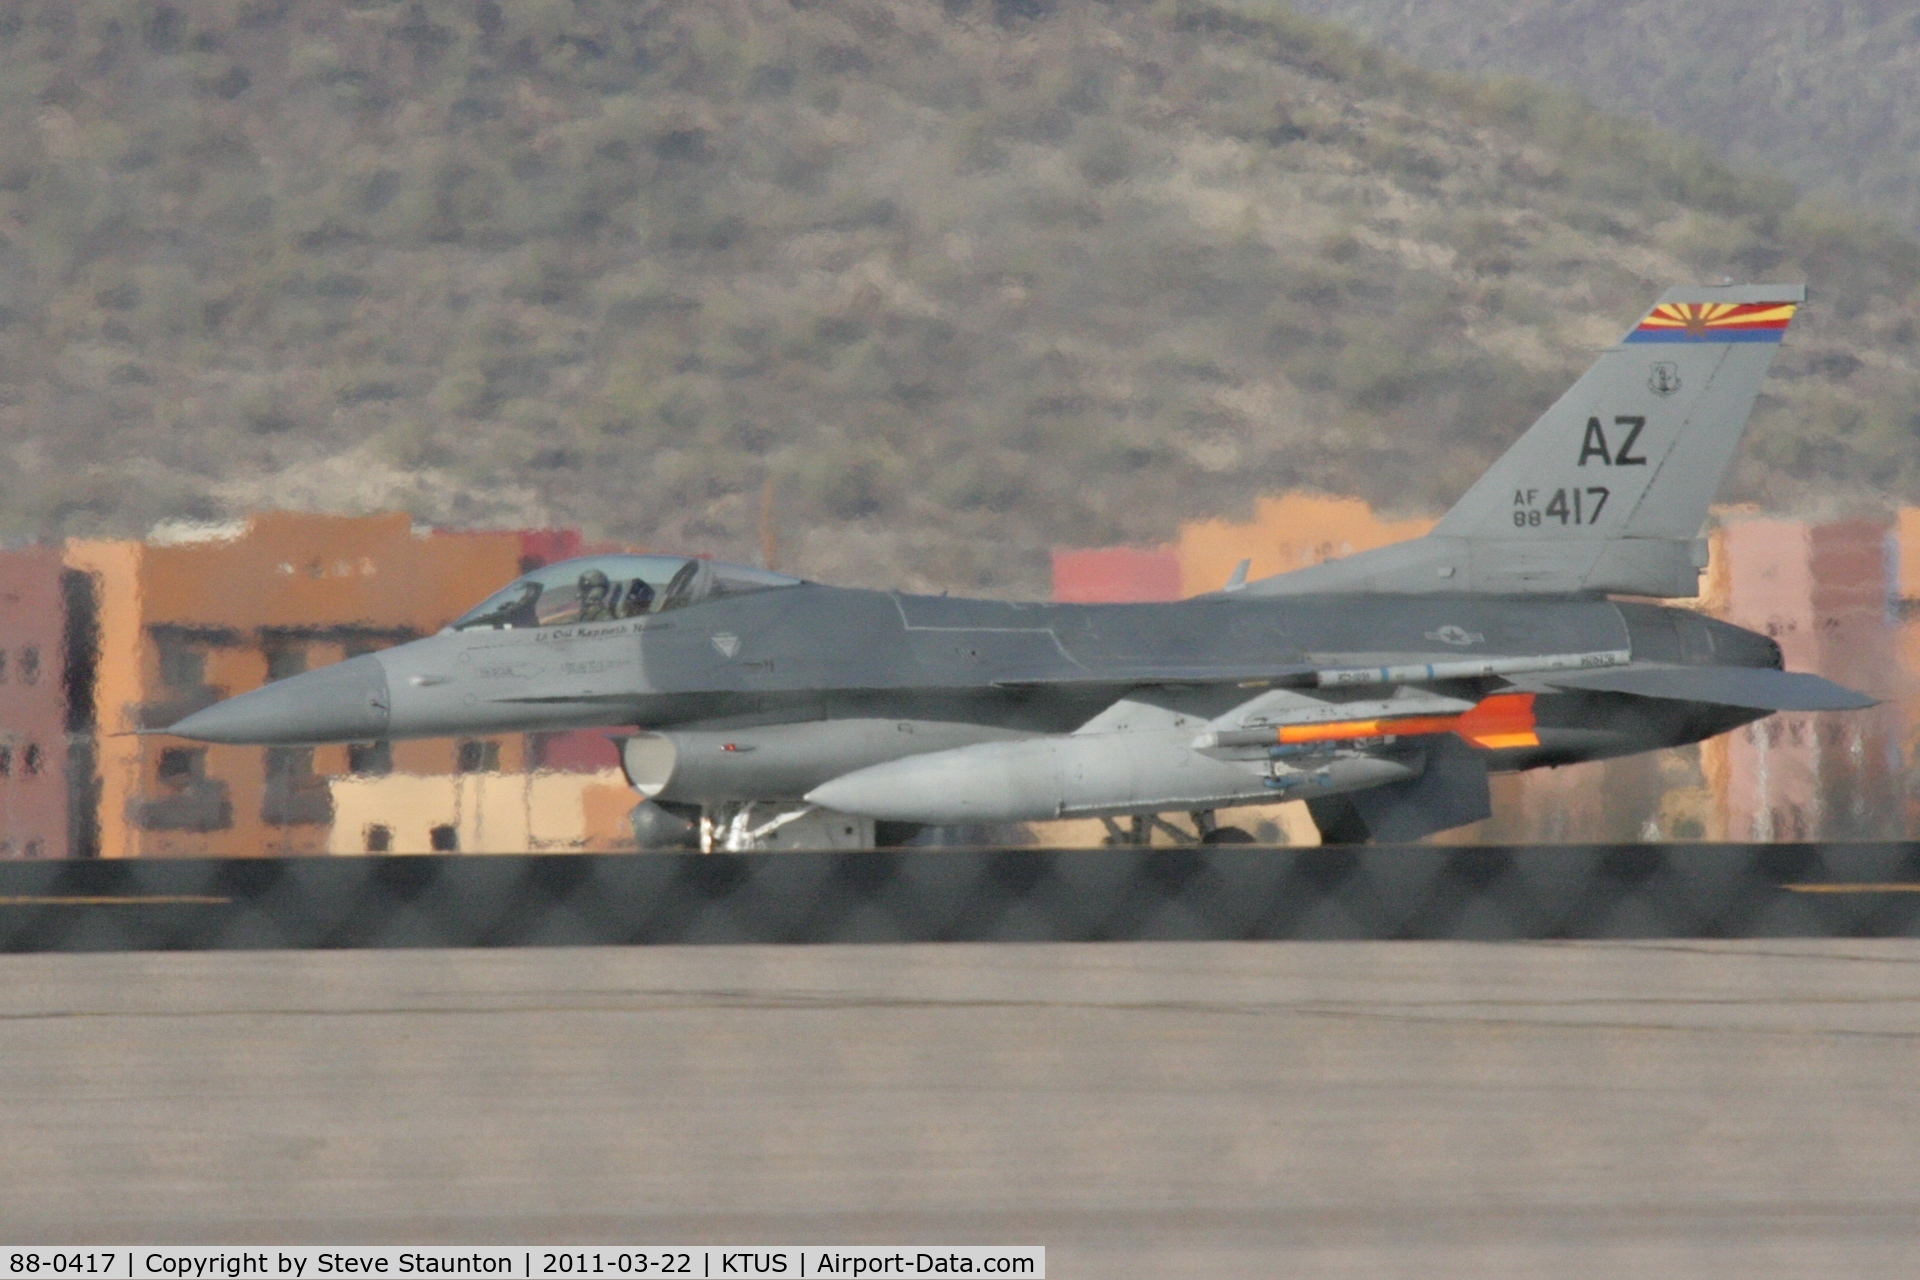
[1141, 826]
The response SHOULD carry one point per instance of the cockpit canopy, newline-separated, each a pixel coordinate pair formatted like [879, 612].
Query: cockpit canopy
[608, 588]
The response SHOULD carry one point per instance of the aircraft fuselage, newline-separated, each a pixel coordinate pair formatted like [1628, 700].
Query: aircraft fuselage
[811, 653]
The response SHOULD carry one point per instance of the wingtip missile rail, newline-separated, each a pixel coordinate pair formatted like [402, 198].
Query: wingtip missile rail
[1466, 669]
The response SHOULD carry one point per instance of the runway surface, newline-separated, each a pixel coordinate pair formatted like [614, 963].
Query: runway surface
[1740, 1109]
[1225, 893]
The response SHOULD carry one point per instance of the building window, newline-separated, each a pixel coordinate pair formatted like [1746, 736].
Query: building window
[284, 661]
[295, 795]
[183, 668]
[6, 762]
[479, 756]
[444, 839]
[3, 666]
[30, 760]
[183, 679]
[30, 665]
[370, 759]
[186, 799]
[181, 767]
[379, 838]
[80, 651]
[33, 849]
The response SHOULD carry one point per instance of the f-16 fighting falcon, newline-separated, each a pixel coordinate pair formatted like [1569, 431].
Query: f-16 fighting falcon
[1381, 688]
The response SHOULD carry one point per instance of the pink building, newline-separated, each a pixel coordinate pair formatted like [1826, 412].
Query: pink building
[1116, 575]
[1823, 592]
[46, 708]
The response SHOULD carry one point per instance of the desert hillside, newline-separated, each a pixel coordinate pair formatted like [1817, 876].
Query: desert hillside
[956, 282]
[1824, 91]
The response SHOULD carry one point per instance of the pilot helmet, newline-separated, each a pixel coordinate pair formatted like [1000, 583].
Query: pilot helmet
[594, 585]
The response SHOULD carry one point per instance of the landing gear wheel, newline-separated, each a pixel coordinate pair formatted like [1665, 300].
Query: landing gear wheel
[1228, 835]
[1338, 820]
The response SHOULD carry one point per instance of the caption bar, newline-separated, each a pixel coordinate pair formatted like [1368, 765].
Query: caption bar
[796, 1262]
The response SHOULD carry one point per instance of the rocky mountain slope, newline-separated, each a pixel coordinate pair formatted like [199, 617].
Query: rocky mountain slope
[953, 283]
[1824, 91]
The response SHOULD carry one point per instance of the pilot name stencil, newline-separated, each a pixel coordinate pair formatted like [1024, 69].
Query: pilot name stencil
[510, 671]
[594, 666]
[550, 634]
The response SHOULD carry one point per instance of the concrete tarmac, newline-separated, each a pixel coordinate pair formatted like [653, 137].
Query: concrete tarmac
[1739, 1109]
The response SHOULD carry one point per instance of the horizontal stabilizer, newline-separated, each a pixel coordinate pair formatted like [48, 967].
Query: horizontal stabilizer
[1760, 688]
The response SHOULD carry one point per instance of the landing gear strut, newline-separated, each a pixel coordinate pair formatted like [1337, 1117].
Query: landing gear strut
[1211, 832]
[1141, 826]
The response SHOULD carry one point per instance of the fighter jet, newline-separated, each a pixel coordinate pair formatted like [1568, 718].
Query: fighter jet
[1382, 688]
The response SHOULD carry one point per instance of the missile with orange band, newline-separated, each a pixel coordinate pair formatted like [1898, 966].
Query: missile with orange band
[1503, 720]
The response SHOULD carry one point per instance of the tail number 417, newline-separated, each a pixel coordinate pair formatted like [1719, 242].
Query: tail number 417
[1567, 506]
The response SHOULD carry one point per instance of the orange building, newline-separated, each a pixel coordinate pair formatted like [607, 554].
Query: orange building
[200, 613]
[1289, 532]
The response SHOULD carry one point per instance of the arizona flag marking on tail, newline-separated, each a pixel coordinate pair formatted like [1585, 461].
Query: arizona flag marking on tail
[1715, 322]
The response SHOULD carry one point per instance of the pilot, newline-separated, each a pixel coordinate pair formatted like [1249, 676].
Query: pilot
[594, 589]
[637, 600]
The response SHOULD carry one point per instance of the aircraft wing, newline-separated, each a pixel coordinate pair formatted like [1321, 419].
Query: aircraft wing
[1760, 688]
[1158, 673]
[1311, 675]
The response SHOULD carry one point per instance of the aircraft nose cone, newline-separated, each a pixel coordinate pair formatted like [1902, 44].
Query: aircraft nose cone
[346, 702]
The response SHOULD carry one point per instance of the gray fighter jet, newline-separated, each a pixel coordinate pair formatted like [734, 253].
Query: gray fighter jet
[1381, 688]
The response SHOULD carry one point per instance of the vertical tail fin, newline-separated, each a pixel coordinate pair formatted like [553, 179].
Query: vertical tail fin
[1609, 489]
